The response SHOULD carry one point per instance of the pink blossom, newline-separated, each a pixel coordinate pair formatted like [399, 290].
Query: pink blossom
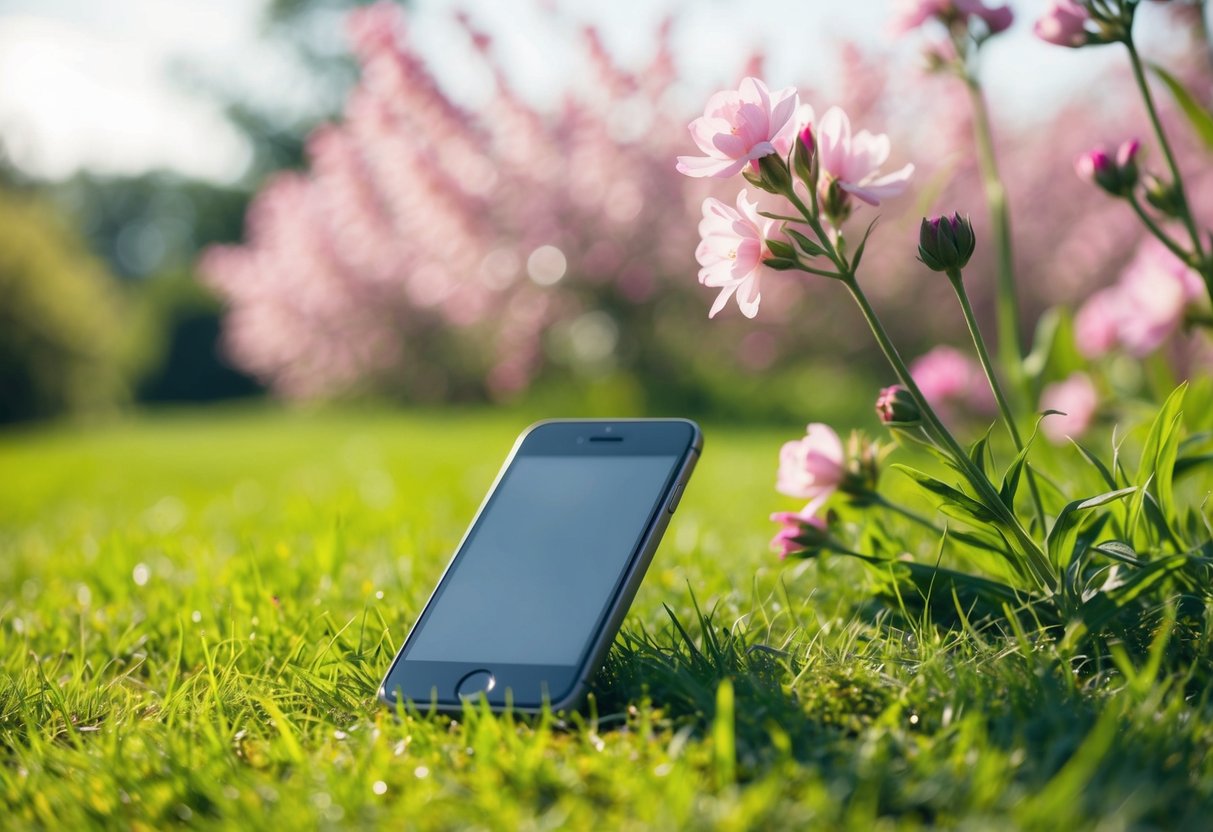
[947, 377]
[740, 127]
[910, 14]
[732, 251]
[1064, 24]
[793, 526]
[1156, 288]
[1098, 321]
[853, 161]
[1143, 308]
[1076, 400]
[812, 467]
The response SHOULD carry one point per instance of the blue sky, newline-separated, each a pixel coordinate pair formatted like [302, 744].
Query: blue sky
[100, 85]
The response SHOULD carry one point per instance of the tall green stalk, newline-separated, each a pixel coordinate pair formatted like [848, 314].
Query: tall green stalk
[1204, 264]
[1004, 408]
[1010, 346]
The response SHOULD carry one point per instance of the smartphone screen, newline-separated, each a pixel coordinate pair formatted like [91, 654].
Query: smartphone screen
[544, 575]
[538, 570]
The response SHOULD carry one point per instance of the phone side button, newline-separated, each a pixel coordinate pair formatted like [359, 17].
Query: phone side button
[478, 681]
[675, 497]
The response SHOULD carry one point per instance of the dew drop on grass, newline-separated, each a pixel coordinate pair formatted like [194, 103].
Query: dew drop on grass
[140, 574]
[421, 772]
[379, 787]
[84, 595]
[379, 595]
[196, 617]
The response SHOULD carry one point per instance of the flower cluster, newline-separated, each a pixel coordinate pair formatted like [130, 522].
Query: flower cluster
[780, 147]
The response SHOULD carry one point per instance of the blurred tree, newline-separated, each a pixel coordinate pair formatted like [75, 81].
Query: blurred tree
[64, 346]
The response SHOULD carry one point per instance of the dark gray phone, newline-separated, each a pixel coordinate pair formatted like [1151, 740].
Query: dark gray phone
[530, 603]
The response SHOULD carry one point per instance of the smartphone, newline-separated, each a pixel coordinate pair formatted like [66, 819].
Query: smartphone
[536, 591]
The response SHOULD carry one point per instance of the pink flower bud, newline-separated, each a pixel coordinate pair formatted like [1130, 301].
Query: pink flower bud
[1064, 24]
[1118, 177]
[801, 532]
[896, 406]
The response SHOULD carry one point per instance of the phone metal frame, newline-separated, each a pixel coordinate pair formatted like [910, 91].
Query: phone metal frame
[616, 609]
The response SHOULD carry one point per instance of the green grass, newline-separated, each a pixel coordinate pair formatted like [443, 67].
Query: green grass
[196, 608]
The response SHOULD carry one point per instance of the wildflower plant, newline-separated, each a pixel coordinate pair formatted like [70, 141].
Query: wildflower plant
[1090, 568]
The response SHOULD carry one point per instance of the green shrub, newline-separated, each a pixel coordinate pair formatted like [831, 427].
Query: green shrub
[62, 341]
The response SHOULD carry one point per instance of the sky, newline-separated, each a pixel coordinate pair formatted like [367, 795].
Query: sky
[116, 86]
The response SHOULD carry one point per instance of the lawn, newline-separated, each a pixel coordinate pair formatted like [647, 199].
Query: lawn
[196, 608]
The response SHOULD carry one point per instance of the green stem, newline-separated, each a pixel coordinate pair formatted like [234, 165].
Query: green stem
[1008, 417]
[1010, 348]
[1185, 210]
[1038, 565]
[1155, 229]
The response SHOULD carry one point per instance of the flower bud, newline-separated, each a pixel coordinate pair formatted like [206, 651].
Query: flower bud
[896, 407]
[805, 533]
[773, 174]
[946, 243]
[803, 155]
[1126, 162]
[1163, 196]
[1116, 176]
[835, 202]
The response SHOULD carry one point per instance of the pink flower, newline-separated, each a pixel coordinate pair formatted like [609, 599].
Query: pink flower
[1155, 288]
[1142, 309]
[853, 162]
[948, 377]
[795, 527]
[910, 14]
[1064, 24]
[731, 252]
[740, 127]
[812, 467]
[1098, 321]
[1076, 400]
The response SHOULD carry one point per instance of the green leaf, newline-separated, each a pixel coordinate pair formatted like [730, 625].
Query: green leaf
[1010, 480]
[1198, 115]
[1119, 550]
[979, 451]
[1158, 457]
[1096, 463]
[971, 510]
[1060, 543]
[1106, 604]
[781, 249]
[862, 245]
[808, 246]
[1054, 353]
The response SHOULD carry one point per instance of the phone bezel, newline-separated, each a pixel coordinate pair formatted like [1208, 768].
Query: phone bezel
[529, 687]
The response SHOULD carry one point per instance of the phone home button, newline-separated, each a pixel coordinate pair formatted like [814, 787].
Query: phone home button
[478, 681]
